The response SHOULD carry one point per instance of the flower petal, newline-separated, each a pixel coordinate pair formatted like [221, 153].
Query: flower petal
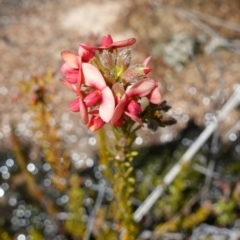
[95, 123]
[93, 98]
[133, 107]
[84, 53]
[80, 78]
[134, 118]
[71, 74]
[118, 112]
[154, 96]
[70, 58]
[89, 47]
[124, 43]
[92, 76]
[145, 62]
[83, 111]
[107, 41]
[74, 105]
[106, 44]
[146, 69]
[107, 105]
[141, 88]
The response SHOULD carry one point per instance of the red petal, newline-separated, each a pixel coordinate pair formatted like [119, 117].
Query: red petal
[71, 74]
[142, 88]
[118, 44]
[85, 54]
[107, 41]
[118, 112]
[74, 105]
[80, 78]
[95, 123]
[83, 112]
[124, 43]
[133, 107]
[93, 98]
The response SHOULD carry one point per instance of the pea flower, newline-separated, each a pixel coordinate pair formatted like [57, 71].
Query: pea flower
[100, 93]
[72, 69]
[107, 88]
[129, 101]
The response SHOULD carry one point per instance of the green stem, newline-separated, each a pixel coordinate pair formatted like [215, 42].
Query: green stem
[124, 182]
[117, 155]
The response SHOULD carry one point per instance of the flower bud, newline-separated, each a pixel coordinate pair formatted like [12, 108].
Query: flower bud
[134, 73]
[107, 59]
[118, 91]
[124, 59]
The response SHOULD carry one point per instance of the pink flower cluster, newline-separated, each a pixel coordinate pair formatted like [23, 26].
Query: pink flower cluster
[107, 88]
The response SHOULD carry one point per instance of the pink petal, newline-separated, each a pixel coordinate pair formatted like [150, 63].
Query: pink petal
[141, 88]
[89, 47]
[95, 123]
[124, 43]
[146, 69]
[71, 74]
[133, 107]
[118, 112]
[66, 69]
[80, 78]
[107, 41]
[93, 98]
[93, 78]
[74, 105]
[145, 62]
[134, 118]
[118, 44]
[107, 106]
[83, 111]
[154, 96]
[70, 58]
[119, 122]
[84, 53]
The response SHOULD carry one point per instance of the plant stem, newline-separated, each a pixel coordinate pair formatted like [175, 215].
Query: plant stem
[124, 181]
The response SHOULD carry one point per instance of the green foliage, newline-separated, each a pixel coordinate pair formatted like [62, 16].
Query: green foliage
[4, 235]
[225, 211]
[41, 93]
[36, 235]
[49, 146]
[75, 224]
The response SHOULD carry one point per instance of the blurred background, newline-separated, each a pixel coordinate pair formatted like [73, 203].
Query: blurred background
[195, 51]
